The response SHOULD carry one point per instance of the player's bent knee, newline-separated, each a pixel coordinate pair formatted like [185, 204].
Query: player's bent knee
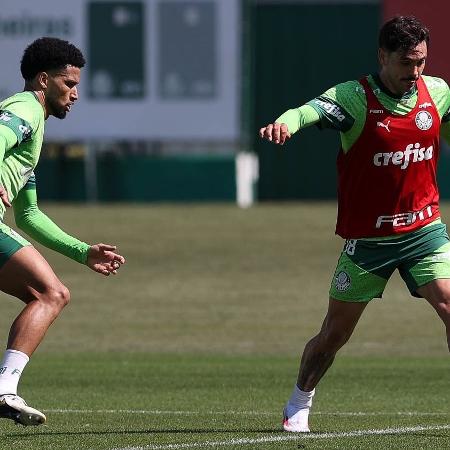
[444, 308]
[58, 297]
[334, 339]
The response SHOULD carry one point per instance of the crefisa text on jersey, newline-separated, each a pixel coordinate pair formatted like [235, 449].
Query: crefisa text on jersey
[403, 158]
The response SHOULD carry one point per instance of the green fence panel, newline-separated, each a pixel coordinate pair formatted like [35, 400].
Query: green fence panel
[300, 51]
[61, 179]
[143, 178]
[140, 178]
[444, 172]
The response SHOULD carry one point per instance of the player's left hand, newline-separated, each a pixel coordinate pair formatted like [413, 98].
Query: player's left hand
[278, 133]
[103, 259]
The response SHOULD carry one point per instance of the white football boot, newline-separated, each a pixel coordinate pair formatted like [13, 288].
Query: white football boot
[14, 407]
[295, 420]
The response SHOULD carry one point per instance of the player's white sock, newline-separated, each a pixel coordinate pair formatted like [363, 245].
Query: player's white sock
[296, 412]
[299, 404]
[11, 368]
[301, 399]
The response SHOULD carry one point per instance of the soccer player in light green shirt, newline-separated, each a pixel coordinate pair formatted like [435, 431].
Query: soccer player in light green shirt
[51, 68]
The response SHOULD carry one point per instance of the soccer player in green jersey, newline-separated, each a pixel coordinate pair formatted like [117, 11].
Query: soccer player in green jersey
[389, 124]
[51, 69]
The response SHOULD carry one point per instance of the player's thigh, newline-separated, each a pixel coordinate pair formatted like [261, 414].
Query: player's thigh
[353, 279]
[24, 272]
[437, 293]
[421, 275]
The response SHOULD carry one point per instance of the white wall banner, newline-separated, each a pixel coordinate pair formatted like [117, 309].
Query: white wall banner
[156, 69]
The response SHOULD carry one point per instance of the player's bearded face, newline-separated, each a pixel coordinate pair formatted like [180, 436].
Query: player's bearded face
[400, 70]
[62, 91]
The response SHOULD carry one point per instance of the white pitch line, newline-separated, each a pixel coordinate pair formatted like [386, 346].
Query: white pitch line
[245, 413]
[288, 437]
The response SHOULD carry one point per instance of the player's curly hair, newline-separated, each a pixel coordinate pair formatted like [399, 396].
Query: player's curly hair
[47, 53]
[402, 33]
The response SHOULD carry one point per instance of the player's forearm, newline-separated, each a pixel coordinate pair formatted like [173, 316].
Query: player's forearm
[43, 230]
[299, 118]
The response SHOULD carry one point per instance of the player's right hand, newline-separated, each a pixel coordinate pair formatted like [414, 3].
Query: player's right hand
[4, 197]
[277, 133]
[104, 259]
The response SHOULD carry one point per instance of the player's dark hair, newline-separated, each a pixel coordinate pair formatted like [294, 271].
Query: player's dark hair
[402, 33]
[49, 53]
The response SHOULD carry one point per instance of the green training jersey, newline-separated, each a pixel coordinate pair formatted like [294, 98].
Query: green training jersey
[22, 122]
[343, 108]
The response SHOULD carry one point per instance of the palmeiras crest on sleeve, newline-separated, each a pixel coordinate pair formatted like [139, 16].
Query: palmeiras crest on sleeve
[342, 281]
[424, 121]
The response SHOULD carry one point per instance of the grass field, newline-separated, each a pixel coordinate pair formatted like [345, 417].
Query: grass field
[195, 344]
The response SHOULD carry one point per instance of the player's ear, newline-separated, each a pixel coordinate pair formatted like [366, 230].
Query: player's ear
[43, 79]
[381, 56]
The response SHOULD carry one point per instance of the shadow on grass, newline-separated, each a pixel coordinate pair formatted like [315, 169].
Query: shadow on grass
[147, 431]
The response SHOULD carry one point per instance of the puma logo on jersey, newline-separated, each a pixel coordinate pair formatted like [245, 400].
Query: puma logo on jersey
[413, 153]
[384, 125]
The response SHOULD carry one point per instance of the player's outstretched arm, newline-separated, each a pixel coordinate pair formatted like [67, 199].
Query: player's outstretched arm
[289, 123]
[103, 258]
[278, 133]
